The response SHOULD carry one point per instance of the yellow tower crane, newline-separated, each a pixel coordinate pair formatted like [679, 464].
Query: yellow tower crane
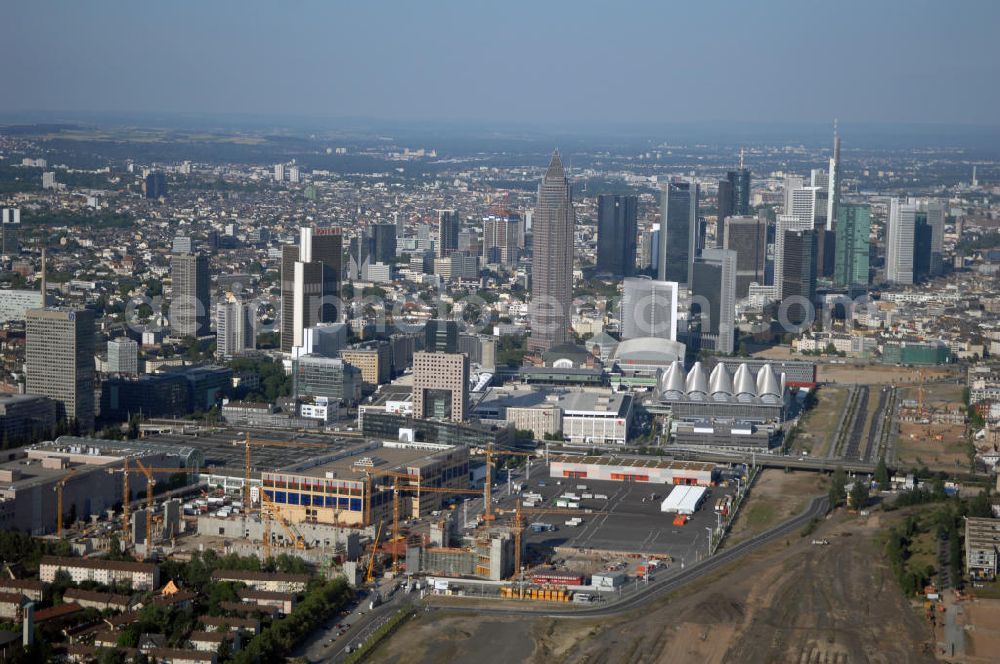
[518, 513]
[491, 453]
[59, 501]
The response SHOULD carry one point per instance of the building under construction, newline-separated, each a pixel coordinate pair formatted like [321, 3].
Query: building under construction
[490, 555]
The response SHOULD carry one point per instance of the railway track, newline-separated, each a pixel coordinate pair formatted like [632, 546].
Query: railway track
[852, 449]
[874, 441]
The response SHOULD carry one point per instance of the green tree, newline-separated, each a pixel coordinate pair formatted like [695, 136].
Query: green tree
[838, 490]
[859, 494]
[882, 474]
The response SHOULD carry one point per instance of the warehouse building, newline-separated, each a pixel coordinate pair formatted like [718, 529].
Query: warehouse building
[590, 418]
[632, 469]
[29, 478]
[350, 487]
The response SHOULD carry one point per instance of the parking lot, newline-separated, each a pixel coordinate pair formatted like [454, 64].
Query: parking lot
[629, 521]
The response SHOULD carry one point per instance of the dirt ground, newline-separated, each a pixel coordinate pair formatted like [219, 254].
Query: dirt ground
[775, 496]
[918, 444]
[877, 374]
[981, 619]
[790, 602]
[818, 427]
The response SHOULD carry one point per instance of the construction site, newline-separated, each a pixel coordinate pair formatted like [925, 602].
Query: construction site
[373, 508]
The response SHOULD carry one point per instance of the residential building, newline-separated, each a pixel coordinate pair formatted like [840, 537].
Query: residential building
[503, 237]
[236, 328]
[141, 576]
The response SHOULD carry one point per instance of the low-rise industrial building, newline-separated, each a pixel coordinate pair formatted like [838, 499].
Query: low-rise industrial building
[590, 418]
[632, 469]
[724, 435]
[684, 500]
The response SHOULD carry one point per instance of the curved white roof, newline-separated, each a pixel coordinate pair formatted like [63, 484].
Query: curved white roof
[720, 382]
[743, 383]
[650, 348]
[697, 381]
[767, 382]
[673, 380]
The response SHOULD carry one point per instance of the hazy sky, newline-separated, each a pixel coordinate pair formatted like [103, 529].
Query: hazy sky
[540, 61]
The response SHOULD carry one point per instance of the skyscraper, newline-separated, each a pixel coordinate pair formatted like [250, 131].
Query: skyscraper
[310, 280]
[617, 229]
[853, 241]
[279, 172]
[441, 385]
[922, 238]
[190, 295]
[900, 237]
[733, 199]
[798, 278]
[833, 190]
[235, 328]
[59, 361]
[11, 226]
[502, 238]
[552, 260]
[784, 224]
[649, 308]
[441, 336]
[713, 299]
[448, 227]
[678, 231]
[747, 236]
[384, 242]
[155, 185]
[934, 210]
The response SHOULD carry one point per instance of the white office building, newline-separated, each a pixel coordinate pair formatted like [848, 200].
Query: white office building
[899, 240]
[123, 356]
[649, 309]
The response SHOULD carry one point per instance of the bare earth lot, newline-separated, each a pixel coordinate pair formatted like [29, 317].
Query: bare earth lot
[790, 602]
[775, 497]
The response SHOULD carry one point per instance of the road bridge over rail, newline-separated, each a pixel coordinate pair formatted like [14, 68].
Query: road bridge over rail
[775, 461]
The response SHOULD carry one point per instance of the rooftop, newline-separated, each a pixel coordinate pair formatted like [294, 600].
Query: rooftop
[634, 462]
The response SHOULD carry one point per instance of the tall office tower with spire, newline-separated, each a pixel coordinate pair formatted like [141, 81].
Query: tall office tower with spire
[900, 237]
[552, 260]
[833, 188]
[734, 198]
[59, 361]
[448, 227]
[853, 232]
[310, 279]
[617, 228]
[678, 232]
[190, 295]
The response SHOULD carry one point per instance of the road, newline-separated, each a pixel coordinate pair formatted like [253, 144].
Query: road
[775, 460]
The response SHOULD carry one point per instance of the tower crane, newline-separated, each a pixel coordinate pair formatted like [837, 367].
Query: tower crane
[490, 453]
[270, 510]
[149, 472]
[248, 441]
[60, 485]
[518, 513]
[371, 561]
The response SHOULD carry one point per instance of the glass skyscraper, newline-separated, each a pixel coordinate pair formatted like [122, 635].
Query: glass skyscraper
[852, 246]
[616, 234]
